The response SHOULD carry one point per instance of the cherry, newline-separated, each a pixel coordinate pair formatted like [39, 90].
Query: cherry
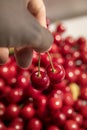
[23, 81]
[54, 50]
[78, 118]
[60, 28]
[71, 125]
[12, 81]
[76, 55]
[40, 103]
[82, 79]
[2, 109]
[84, 56]
[68, 99]
[66, 49]
[70, 75]
[8, 71]
[60, 118]
[55, 103]
[83, 111]
[83, 93]
[27, 111]
[40, 81]
[30, 91]
[85, 124]
[15, 95]
[57, 38]
[56, 74]
[78, 104]
[34, 124]
[17, 124]
[2, 126]
[58, 59]
[68, 111]
[52, 127]
[2, 86]
[12, 111]
[69, 62]
[69, 40]
[57, 93]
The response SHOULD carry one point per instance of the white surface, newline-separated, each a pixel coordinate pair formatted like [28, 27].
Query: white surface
[75, 27]
[63, 9]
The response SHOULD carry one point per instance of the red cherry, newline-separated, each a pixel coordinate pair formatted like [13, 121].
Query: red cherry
[68, 111]
[66, 49]
[55, 103]
[6, 91]
[57, 38]
[70, 40]
[83, 93]
[82, 79]
[71, 125]
[27, 111]
[34, 124]
[40, 82]
[57, 93]
[2, 126]
[83, 111]
[40, 103]
[78, 104]
[84, 56]
[69, 62]
[68, 99]
[8, 71]
[57, 74]
[30, 91]
[60, 28]
[78, 118]
[12, 81]
[70, 75]
[23, 81]
[12, 111]
[58, 59]
[15, 95]
[2, 87]
[76, 55]
[54, 49]
[85, 124]
[17, 123]
[2, 109]
[52, 127]
[60, 118]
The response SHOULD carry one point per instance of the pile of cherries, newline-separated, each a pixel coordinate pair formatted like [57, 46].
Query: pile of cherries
[40, 97]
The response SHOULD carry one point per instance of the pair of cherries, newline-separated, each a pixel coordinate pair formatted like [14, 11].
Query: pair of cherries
[53, 74]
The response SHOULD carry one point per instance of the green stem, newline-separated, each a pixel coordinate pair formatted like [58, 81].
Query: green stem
[39, 66]
[53, 69]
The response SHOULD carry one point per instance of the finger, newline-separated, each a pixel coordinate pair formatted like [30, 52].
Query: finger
[38, 10]
[23, 56]
[4, 55]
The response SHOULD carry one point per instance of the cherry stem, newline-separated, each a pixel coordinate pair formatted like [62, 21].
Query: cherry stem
[39, 65]
[53, 69]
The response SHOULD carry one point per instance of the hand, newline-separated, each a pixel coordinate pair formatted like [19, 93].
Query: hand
[22, 26]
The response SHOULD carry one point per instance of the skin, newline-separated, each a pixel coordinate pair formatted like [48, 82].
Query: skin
[23, 52]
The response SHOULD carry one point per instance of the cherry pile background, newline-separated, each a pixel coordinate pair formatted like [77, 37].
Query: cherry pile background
[61, 106]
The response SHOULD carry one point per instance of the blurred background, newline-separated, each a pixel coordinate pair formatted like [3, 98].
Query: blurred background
[64, 9]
